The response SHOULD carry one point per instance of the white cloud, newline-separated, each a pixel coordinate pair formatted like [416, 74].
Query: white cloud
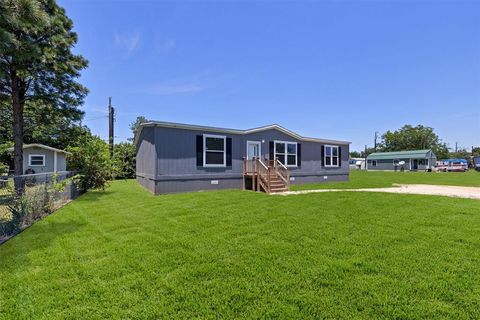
[170, 89]
[194, 84]
[165, 46]
[128, 41]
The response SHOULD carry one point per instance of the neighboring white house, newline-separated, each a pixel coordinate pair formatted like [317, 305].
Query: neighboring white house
[39, 158]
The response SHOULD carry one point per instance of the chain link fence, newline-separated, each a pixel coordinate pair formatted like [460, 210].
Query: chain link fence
[42, 194]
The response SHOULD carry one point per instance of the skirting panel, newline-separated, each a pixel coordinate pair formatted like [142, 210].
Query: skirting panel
[175, 186]
[190, 185]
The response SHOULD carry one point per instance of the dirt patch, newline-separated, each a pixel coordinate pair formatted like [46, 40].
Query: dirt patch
[446, 191]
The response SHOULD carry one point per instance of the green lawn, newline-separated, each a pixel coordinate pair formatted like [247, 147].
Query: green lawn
[372, 179]
[124, 253]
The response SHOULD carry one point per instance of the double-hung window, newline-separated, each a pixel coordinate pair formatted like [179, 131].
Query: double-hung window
[286, 152]
[36, 160]
[331, 156]
[214, 147]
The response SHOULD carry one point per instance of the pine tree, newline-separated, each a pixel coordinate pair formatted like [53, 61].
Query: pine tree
[37, 64]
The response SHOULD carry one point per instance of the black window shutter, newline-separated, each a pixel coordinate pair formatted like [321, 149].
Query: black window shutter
[322, 154]
[299, 154]
[200, 151]
[271, 155]
[229, 152]
[339, 156]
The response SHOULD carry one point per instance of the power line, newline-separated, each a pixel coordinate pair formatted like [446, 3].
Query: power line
[95, 118]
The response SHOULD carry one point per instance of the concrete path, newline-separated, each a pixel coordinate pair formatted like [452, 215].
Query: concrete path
[446, 191]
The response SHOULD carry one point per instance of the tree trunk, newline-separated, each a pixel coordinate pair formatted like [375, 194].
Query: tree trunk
[18, 100]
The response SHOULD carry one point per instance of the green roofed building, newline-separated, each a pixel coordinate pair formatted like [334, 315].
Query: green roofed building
[413, 160]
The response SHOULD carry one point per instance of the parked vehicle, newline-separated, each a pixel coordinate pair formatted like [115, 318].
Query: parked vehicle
[357, 163]
[452, 165]
[476, 163]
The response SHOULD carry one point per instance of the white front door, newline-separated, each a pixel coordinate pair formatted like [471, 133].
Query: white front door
[253, 149]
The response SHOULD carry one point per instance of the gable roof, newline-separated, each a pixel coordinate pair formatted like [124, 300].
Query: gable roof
[399, 154]
[42, 146]
[233, 131]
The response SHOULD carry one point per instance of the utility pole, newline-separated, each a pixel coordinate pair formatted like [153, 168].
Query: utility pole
[456, 147]
[365, 154]
[375, 143]
[111, 120]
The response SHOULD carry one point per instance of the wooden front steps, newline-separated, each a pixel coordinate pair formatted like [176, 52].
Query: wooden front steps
[277, 185]
[266, 176]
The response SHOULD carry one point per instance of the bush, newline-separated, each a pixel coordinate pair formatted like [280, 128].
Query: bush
[92, 161]
[124, 160]
[3, 169]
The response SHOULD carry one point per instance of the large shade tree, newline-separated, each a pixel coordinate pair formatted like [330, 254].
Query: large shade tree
[37, 65]
[409, 137]
[43, 125]
[135, 126]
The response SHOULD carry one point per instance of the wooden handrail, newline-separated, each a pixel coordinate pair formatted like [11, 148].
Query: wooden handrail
[281, 164]
[282, 172]
[262, 173]
[263, 164]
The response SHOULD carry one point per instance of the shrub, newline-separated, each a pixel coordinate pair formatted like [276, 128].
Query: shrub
[19, 208]
[3, 169]
[124, 160]
[92, 161]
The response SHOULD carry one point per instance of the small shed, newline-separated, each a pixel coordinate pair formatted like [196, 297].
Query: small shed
[39, 158]
[413, 160]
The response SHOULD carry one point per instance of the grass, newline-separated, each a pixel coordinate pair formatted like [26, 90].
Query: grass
[379, 179]
[124, 253]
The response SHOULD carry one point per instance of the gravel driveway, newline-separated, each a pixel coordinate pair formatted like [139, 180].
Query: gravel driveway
[446, 191]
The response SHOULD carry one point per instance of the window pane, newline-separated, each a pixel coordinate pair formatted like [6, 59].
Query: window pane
[335, 161]
[36, 161]
[328, 161]
[214, 143]
[281, 158]
[214, 157]
[292, 148]
[335, 151]
[280, 148]
[328, 151]
[291, 160]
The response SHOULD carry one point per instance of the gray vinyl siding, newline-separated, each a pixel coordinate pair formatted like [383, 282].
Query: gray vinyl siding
[169, 156]
[146, 154]
[387, 164]
[61, 161]
[49, 160]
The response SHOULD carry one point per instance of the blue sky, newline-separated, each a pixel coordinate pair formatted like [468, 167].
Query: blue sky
[332, 69]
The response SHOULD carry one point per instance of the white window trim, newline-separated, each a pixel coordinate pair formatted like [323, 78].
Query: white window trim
[205, 136]
[36, 165]
[331, 165]
[286, 152]
[259, 143]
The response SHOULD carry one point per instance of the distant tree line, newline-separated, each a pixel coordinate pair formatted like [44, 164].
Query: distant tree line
[417, 137]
